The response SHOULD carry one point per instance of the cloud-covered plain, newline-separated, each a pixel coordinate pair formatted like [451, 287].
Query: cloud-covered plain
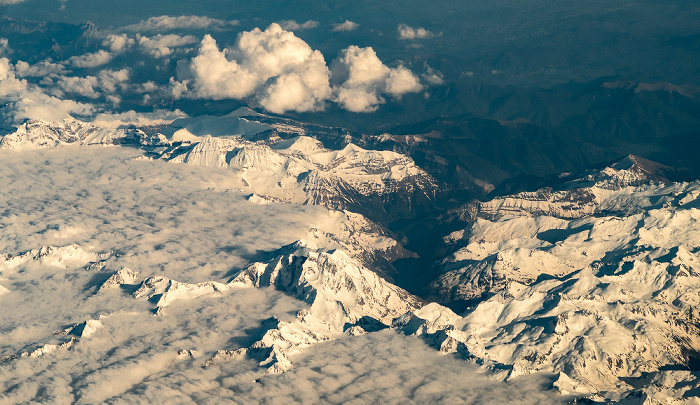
[345, 26]
[183, 222]
[407, 32]
[281, 72]
[185, 22]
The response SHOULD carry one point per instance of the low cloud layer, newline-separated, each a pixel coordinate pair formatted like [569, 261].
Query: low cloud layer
[282, 73]
[184, 222]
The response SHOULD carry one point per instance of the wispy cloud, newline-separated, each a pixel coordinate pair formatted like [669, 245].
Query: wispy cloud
[407, 32]
[345, 26]
[186, 22]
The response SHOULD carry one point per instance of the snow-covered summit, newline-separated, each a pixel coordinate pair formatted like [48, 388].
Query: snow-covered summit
[639, 181]
[300, 170]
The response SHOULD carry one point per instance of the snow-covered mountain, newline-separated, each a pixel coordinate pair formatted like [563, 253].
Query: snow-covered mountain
[38, 134]
[598, 191]
[301, 170]
[519, 238]
[340, 295]
[594, 279]
[605, 296]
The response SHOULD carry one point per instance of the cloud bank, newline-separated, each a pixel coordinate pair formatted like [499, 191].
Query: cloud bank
[282, 73]
[184, 222]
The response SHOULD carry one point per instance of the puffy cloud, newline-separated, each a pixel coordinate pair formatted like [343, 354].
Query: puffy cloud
[84, 86]
[402, 81]
[345, 26]
[5, 47]
[40, 69]
[107, 80]
[159, 45]
[25, 100]
[90, 60]
[406, 32]
[110, 79]
[217, 77]
[274, 65]
[118, 43]
[9, 84]
[433, 76]
[9, 2]
[282, 73]
[169, 23]
[292, 25]
[362, 77]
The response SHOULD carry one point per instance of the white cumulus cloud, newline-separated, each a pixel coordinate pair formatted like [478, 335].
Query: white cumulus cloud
[84, 86]
[113, 80]
[9, 2]
[23, 100]
[169, 23]
[274, 65]
[292, 25]
[118, 42]
[362, 78]
[433, 76]
[406, 32]
[39, 69]
[160, 45]
[90, 60]
[345, 26]
[280, 72]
